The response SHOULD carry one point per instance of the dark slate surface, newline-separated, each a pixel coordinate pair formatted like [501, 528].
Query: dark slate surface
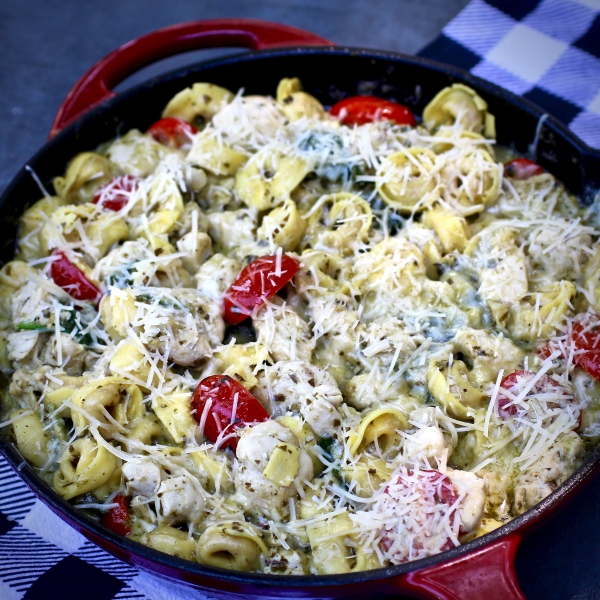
[46, 45]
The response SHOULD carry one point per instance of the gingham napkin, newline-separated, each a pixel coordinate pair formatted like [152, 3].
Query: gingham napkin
[547, 51]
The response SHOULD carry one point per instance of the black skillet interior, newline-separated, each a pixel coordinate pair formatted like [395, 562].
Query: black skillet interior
[330, 74]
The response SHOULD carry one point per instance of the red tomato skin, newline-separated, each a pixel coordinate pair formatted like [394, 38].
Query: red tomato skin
[256, 283]
[359, 110]
[67, 276]
[505, 409]
[521, 169]
[444, 494]
[221, 389]
[117, 518]
[115, 194]
[589, 343]
[172, 131]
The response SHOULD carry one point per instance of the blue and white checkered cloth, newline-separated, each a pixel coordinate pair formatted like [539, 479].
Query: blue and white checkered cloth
[547, 51]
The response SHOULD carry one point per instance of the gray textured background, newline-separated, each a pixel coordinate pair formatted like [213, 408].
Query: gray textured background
[46, 45]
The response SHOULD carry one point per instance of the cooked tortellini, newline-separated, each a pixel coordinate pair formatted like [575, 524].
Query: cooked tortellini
[290, 345]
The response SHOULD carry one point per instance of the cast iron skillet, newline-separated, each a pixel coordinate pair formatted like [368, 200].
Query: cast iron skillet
[482, 568]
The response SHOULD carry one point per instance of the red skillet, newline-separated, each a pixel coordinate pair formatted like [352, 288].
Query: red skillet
[482, 568]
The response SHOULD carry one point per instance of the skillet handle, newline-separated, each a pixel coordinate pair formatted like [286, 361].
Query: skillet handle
[96, 85]
[488, 573]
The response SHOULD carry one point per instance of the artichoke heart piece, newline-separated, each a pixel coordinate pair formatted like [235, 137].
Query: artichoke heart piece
[174, 412]
[381, 425]
[284, 464]
[451, 387]
[199, 103]
[462, 105]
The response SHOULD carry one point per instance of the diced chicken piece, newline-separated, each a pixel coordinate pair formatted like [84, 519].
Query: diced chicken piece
[20, 344]
[488, 354]
[557, 255]
[555, 465]
[142, 477]
[197, 247]
[427, 442]
[232, 228]
[369, 388]
[335, 324]
[474, 497]
[506, 281]
[250, 119]
[71, 354]
[283, 331]
[28, 302]
[298, 385]
[180, 322]
[179, 500]
[216, 275]
[286, 562]
[497, 502]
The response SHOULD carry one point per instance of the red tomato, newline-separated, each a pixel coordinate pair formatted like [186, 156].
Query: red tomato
[115, 194]
[226, 397]
[522, 168]
[587, 345]
[359, 110]
[256, 283]
[117, 518]
[516, 380]
[432, 485]
[505, 409]
[172, 131]
[67, 276]
[433, 482]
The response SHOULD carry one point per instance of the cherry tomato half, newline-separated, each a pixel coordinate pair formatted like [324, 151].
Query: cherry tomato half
[67, 276]
[359, 110]
[256, 283]
[172, 131]
[117, 518]
[115, 194]
[434, 483]
[513, 383]
[433, 486]
[521, 169]
[587, 346]
[226, 397]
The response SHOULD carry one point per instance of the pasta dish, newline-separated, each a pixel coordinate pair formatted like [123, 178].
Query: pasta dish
[270, 337]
